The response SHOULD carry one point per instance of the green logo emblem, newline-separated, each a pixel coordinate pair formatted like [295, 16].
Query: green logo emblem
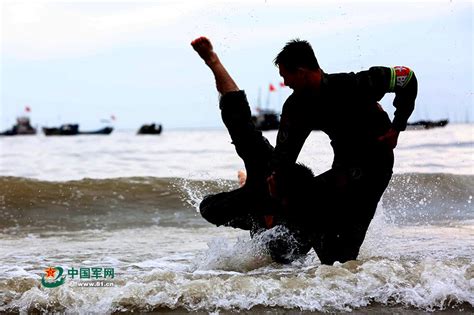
[53, 277]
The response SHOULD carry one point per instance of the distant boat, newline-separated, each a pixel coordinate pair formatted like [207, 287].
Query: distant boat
[151, 129]
[102, 131]
[427, 124]
[22, 127]
[266, 119]
[73, 130]
[63, 130]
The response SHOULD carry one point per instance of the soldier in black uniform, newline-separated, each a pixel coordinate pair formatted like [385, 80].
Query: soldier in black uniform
[345, 107]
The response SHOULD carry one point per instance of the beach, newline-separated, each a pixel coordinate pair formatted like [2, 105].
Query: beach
[119, 216]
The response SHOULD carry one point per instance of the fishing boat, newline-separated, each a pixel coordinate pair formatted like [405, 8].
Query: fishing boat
[427, 124]
[151, 129]
[102, 131]
[266, 119]
[73, 130]
[22, 127]
[63, 130]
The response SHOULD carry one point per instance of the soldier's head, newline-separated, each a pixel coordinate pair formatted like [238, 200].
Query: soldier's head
[297, 64]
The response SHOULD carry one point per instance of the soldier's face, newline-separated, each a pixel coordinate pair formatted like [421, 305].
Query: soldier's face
[295, 80]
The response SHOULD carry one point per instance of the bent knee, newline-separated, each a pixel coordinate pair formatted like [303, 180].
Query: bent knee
[215, 209]
[208, 210]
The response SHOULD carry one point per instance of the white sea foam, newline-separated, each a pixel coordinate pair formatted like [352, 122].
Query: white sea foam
[427, 284]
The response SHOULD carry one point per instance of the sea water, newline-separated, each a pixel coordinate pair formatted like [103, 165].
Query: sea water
[121, 211]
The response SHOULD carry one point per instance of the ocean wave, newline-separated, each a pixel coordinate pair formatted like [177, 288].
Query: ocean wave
[120, 202]
[102, 203]
[373, 284]
[415, 198]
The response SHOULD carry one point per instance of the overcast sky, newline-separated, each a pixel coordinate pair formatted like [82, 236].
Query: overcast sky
[74, 61]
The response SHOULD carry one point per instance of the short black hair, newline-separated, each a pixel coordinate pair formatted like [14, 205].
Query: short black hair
[296, 54]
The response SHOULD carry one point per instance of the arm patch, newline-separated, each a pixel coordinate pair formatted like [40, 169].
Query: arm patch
[400, 77]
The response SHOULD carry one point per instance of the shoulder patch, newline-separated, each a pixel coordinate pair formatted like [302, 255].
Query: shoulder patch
[402, 75]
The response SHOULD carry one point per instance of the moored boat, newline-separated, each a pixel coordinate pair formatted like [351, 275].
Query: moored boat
[151, 129]
[102, 131]
[73, 130]
[63, 130]
[22, 127]
[427, 124]
[266, 119]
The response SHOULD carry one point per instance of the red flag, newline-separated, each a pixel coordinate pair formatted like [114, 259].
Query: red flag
[112, 117]
[282, 84]
[271, 88]
[27, 109]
